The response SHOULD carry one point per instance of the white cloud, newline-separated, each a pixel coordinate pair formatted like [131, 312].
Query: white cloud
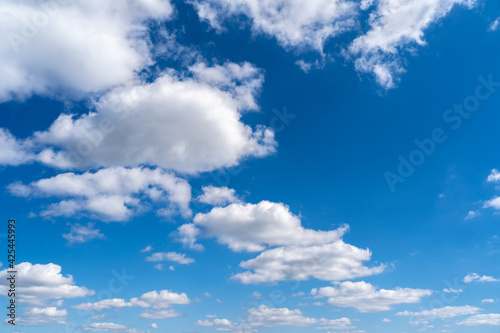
[160, 267]
[395, 27]
[148, 248]
[13, 151]
[161, 314]
[494, 25]
[187, 234]
[42, 316]
[494, 176]
[74, 47]
[153, 299]
[82, 234]
[492, 319]
[218, 196]
[472, 214]
[249, 227]
[214, 322]
[153, 325]
[364, 297]
[488, 300]
[170, 256]
[295, 24]
[453, 291]
[335, 261]
[177, 122]
[37, 283]
[474, 277]
[104, 327]
[443, 313]
[299, 253]
[110, 194]
[386, 320]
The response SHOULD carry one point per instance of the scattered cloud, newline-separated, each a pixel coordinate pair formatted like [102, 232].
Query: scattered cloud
[443, 313]
[148, 248]
[170, 256]
[396, 27]
[492, 319]
[364, 297]
[218, 196]
[494, 25]
[474, 277]
[104, 327]
[472, 214]
[82, 234]
[42, 316]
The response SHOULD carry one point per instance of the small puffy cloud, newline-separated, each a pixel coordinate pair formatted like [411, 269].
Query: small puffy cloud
[295, 24]
[442, 313]
[395, 27]
[82, 234]
[187, 234]
[472, 214]
[170, 256]
[217, 196]
[488, 300]
[386, 320]
[491, 319]
[153, 325]
[37, 283]
[364, 297]
[474, 277]
[104, 327]
[453, 291]
[494, 176]
[148, 248]
[98, 45]
[160, 267]
[112, 194]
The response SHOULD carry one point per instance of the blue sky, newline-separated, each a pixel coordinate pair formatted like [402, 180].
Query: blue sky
[251, 166]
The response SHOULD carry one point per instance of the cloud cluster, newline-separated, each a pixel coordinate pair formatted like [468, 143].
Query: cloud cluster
[217, 196]
[73, 48]
[443, 313]
[288, 250]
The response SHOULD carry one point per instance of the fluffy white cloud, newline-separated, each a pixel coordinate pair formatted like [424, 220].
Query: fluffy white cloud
[82, 234]
[474, 277]
[250, 227]
[271, 317]
[42, 316]
[295, 24]
[364, 297]
[161, 301]
[443, 313]
[492, 319]
[13, 151]
[217, 196]
[110, 194]
[187, 234]
[74, 47]
[335, 261]
[104, 327]
[395, 26]
[179, 122]
[494, 25]
[170, 256]
[297, 254]
[494, 176]
[37, 283]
